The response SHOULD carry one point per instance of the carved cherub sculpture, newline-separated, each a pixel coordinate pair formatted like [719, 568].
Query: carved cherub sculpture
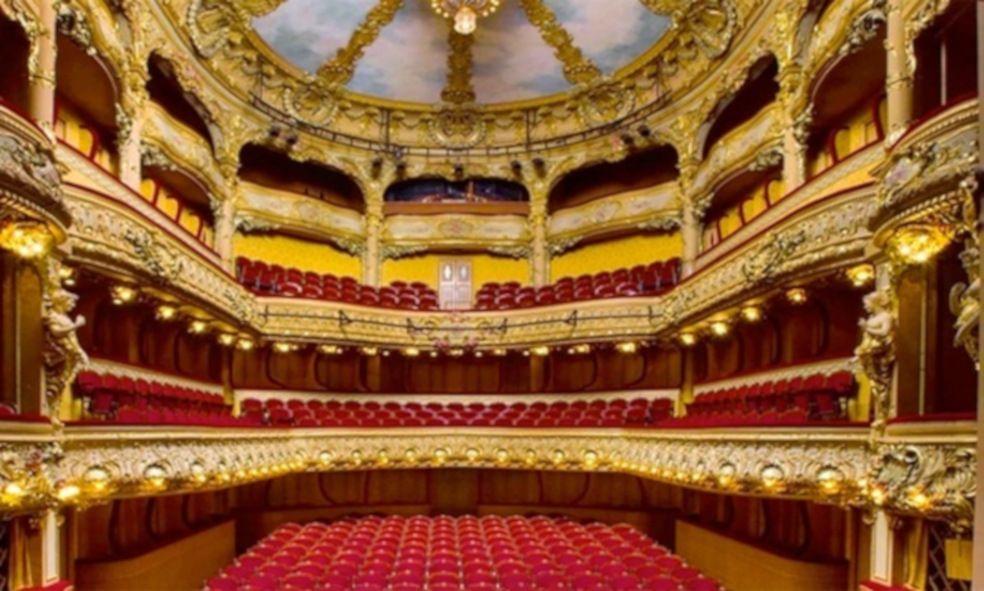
[965, 303]
[64, 356]
[875, 354]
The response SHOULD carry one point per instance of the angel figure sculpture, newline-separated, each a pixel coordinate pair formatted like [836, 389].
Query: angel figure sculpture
[64, 357]
[876, 353]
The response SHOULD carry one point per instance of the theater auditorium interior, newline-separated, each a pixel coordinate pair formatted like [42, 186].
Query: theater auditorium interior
[490, 295]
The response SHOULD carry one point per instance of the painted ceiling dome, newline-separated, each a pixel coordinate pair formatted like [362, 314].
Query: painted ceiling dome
[404, 51]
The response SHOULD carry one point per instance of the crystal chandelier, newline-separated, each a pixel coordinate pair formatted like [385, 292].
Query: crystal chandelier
[465, 12]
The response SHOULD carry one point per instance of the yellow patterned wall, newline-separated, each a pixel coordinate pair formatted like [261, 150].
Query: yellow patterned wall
[306, 255]
[615, 254]
[485, 268]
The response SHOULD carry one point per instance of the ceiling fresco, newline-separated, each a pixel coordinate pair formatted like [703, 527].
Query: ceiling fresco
[408, 61]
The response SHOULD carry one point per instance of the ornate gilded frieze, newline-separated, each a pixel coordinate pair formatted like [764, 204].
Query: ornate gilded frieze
[653, 208]
[262, 209]
[926, 167]
[818, 189]
[30, 183]
[910, 473]
[455, 231]
[169, 144]
[107, 235]
[742, 147]
[933, 477]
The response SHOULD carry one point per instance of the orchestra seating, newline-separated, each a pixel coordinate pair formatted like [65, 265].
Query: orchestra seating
[639, 412]
[275, 280]
[443, 553]
[655, 278]
[122, 399]
[814, 399]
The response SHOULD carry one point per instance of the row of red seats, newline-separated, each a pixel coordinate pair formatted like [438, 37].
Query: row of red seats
[292, 282]
[123, 399]
[639, 412]
[813, 399]
[640, 280]
[444, 553]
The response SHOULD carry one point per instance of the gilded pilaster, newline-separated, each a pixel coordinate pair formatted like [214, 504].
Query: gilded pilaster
[691, 215]
[539, 251]
[371, 259]
[41, 67]
[899, 75]
[796, 119]
[224, 213]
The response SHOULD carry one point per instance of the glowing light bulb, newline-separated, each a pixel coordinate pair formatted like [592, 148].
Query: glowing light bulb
[465, 21]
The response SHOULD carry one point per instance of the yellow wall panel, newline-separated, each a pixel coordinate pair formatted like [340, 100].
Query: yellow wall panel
[485, 269]
[306, 255]
[615, 254]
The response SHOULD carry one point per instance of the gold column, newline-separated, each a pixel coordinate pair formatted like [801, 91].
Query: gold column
[129, 126]
[796, 120]
[42, 69]
[899, 71]
[539, 249]
[690, 214]
[224, 213]
[371, 260]
[690, 230]
[22, 334]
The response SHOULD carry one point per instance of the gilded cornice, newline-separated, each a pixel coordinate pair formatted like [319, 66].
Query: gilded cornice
[169, 144]
[932, 160]
[453, 230]
[739, 149]
[261, 208]
[804, 197]
[30, 182]
[923, 476]
[652, 208]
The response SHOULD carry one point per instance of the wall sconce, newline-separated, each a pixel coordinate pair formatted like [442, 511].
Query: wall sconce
[540, 351]
[411, 352]
[122, 295]
[627, 348]
[917, 243]
[720, 328]
[197, 327]
[245, 344]
[26, 239]
[225, 339]
[580, 349]
[369, 351]
[499, 352]
[166, 312]
[861, 275]
[284, 348]
[687, 339]
[751, 313]
[329, 350]
[797, 295]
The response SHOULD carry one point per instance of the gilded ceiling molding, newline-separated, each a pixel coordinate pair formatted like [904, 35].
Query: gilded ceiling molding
[339, 70]
[459, 88]
[578, 69]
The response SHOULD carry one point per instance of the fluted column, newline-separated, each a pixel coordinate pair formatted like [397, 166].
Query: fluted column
[884, 548]
[42, 69]
[539, 248]
[899, 71]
